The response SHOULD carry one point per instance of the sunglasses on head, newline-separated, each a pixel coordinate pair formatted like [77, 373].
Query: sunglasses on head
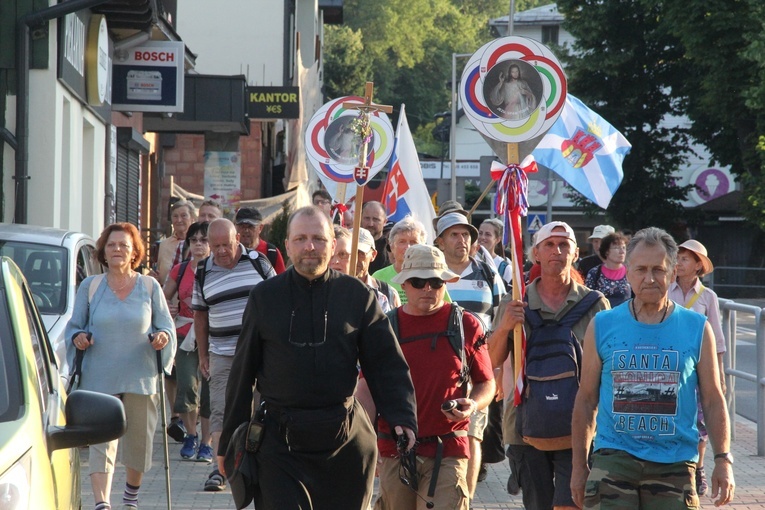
[419, 283]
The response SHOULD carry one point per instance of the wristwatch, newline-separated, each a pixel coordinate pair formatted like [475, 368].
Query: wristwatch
[727, 457]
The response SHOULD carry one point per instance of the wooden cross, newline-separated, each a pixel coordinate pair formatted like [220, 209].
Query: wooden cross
[366, 108]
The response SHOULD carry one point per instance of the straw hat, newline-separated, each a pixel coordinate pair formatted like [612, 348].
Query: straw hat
[423, 261]
[701, 252]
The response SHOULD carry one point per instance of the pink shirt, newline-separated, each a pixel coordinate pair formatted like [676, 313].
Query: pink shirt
[706, 305]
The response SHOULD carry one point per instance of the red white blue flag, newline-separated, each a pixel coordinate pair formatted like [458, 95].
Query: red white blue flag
[586, 151]
[405, 193]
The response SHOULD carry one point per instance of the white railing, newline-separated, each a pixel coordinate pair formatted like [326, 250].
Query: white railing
[730, 310]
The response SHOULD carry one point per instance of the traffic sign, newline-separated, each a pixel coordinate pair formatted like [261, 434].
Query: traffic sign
[535, 222]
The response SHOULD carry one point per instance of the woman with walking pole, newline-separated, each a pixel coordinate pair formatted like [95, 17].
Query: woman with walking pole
[113, 315]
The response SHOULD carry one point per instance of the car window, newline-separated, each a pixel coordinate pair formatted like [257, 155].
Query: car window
[37, 338]
[44, 267]
[11, 388]
[10, 374]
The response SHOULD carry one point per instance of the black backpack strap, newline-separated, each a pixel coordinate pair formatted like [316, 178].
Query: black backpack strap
[393, 318]
[260, 265]
[488, 275]
[181, 271]
[203, 267]
[271, 251]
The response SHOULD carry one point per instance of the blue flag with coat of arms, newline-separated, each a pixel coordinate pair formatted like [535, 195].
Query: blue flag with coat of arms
[586, 151]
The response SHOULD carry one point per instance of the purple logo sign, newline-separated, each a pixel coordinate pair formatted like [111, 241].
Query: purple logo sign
[712, 183]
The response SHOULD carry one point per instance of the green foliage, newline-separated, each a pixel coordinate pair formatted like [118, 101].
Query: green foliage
[347, 66]
[724, 89]
[622, 70]
[277, 232]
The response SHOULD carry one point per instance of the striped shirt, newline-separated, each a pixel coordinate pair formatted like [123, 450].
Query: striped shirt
[224, 298]
[472, 292]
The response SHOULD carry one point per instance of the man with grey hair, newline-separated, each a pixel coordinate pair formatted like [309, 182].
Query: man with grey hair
[643, 364]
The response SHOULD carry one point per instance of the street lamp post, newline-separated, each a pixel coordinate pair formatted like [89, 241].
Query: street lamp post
[453, 130]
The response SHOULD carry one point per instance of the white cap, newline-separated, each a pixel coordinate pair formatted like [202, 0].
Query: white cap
[601, 231]
[547, 232]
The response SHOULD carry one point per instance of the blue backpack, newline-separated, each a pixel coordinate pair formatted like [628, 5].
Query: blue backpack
[553, 371]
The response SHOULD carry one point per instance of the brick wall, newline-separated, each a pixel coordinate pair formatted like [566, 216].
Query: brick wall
[185, 163]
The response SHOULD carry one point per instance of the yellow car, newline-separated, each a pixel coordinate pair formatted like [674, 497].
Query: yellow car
[40, 428]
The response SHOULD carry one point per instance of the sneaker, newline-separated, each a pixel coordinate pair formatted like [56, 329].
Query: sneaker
[701, 481]
[215, 483]
[189, 447]
[205, 453]
[176, 430]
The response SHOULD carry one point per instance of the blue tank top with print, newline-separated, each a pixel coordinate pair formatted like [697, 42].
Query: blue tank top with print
[648, 384]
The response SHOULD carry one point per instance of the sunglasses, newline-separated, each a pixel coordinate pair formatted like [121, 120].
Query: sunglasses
[419, 283]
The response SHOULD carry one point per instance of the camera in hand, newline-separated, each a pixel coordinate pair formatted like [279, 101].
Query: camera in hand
[401, 443]
[449, 405]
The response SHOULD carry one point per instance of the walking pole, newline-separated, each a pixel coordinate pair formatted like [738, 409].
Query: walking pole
[161, 385]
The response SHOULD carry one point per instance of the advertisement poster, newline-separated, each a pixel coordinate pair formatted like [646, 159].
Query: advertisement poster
[223, 181]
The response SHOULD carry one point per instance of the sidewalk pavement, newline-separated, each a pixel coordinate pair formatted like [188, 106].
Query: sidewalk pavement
[187, 479]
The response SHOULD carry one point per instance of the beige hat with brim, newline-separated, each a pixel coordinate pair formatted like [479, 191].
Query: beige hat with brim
[423, 261]
[701, 252]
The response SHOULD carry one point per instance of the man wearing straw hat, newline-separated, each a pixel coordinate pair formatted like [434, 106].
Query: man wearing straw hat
[688, 291]
[479, 290]
[440, 375]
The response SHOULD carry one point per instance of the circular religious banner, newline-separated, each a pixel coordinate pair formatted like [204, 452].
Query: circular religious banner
[333, 141]
[513, 89]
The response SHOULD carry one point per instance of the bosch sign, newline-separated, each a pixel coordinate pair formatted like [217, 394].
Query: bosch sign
[154, 56]
[149, 78]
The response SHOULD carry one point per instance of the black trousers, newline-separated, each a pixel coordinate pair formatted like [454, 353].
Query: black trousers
[492, 446]
[339, 480]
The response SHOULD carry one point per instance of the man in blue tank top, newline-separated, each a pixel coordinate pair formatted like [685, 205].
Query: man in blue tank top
[643, 361]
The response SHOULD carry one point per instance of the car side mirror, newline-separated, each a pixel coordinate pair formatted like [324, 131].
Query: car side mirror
[91, 418]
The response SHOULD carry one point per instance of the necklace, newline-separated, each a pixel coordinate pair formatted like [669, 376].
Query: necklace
[129, 279]
[634, 313]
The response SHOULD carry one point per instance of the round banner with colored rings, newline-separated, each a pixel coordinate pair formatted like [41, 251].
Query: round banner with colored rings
[333, 140]
[513, 89]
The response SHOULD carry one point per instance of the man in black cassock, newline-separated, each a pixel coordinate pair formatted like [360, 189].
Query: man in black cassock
[305, 333]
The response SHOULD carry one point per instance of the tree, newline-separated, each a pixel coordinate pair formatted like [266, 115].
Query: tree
[724, 90]
[624, 66]
[347, 67]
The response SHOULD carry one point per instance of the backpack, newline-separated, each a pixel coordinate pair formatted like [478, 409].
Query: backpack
[261, 265]
[181, 271]
[553, 371]
[455, 333]
[271, 251]
[501, 270]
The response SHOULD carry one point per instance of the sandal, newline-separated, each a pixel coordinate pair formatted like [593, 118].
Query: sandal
[215, 483]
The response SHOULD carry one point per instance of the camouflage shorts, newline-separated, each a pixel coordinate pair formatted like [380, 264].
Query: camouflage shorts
[619, 480]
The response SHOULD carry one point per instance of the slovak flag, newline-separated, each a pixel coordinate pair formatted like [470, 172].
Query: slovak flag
[405, 192]
[586, 151]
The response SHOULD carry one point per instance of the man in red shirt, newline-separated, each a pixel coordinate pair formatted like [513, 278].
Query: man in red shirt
[438, 472]
[249, 224]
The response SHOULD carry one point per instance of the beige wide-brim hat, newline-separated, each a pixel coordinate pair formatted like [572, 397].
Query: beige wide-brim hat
[423, 261]
[701, 252]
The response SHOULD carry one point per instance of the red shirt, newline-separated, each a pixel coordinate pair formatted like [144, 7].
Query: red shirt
[279, 264]
[435, 374]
